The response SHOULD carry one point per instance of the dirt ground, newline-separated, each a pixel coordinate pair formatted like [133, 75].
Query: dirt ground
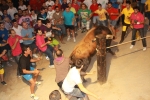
[128, 75]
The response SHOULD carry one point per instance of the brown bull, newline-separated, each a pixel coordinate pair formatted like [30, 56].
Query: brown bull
[86, 47]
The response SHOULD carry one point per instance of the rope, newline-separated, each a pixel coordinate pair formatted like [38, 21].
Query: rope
[127, 42]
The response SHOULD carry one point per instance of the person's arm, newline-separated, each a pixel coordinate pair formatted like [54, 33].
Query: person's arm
[83, 89]
[13, 46]
[120, 14]
[35, 60]
[29, 72]
[3, 53]
[48, 42]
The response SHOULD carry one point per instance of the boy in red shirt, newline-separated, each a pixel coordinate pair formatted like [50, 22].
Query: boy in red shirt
[137, 21]
[113, 14]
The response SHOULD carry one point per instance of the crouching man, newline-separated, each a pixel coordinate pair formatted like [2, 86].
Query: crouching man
[73, 78]
[29, 73]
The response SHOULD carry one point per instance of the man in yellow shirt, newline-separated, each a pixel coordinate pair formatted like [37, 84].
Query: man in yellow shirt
[127, 13]
[147, 11]
[102, 15]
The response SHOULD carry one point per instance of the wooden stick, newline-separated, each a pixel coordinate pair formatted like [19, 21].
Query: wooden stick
[127, 42]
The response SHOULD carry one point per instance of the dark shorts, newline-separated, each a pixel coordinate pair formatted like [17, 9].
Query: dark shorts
[71, 27]
[77, 93]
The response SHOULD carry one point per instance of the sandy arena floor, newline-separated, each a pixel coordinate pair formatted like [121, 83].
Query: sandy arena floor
[128, 75]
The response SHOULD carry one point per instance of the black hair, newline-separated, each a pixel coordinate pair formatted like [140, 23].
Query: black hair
[24, 48]
[59, 53]
[55, 95]
[15, 14]
[47, 21]
[78, 63]
[42, 9]
[128, 2]
[38, 29]
[14, 20]
[99, 4]
[56, 7]
[136, 7]
[11, 30]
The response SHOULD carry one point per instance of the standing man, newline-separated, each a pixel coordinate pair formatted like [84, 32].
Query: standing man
[69, 22]
[12, 10]
[58, 21]
[127, 13]
[86, 15]
[137, 21]
[93, 8]
[29, 73]
[113, 14]
[102, 15]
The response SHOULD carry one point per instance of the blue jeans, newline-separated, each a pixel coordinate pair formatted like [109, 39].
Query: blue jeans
[49, 53]
[104, 23]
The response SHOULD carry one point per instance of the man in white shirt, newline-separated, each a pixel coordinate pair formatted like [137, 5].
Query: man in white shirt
[12, 10]
[17, 28]
[72, 79]
[50, 14]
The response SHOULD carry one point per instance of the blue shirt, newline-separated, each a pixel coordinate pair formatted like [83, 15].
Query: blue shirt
[114, 3]
[28, 31]
[5, 32]
[68, 17]
[143, 1]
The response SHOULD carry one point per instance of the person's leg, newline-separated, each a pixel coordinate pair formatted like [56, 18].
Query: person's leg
[50, 55]
[73, 34]
[2, 77]
[88, 24]
[143, 35]
[68, 33]
[124, 29]
[32, 85]
[133, 36]
[16, 58]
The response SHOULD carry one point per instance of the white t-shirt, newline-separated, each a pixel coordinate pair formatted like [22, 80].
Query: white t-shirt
[73, 78]
[50, 14]
[18, 31]
[22, 7]
[34, 17]
[11, 12]
[49, 3]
